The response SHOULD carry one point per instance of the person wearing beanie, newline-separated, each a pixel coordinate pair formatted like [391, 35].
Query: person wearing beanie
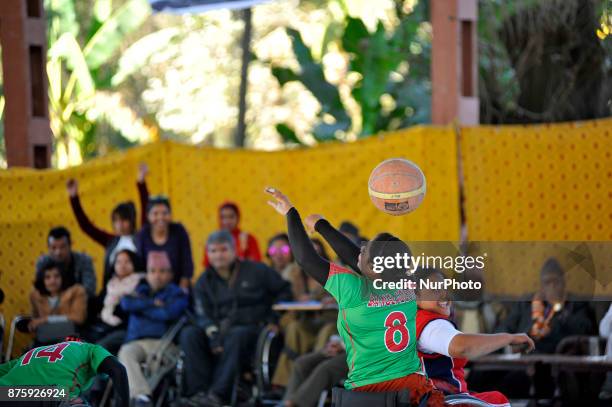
[156, 304]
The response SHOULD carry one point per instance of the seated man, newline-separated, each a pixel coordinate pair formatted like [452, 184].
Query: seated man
[79, 267]
[233, 301]
[445, 351]
[71, 365]
[314, 372]
[154, 306]
[550, 316]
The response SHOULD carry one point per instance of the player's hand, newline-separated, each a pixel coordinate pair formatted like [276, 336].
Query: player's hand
[273, 327]
[217, 350]
[72, 187]
[311, 221]
[524, 340]
[158, 303]
[281, 203]
[143, 170]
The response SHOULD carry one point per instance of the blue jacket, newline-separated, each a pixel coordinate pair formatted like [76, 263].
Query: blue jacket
[147, 320]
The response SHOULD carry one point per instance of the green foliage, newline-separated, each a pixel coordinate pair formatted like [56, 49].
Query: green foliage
[312, 76]
[391, 64]
[543, 61]
[81, 62]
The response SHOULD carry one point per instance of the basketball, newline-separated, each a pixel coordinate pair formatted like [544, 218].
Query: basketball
[397, 186]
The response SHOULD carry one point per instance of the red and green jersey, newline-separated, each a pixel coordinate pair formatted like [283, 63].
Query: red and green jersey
[69, 365]
[377, 326]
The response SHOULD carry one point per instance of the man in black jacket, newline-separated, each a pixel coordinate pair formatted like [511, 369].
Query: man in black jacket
[233, 301]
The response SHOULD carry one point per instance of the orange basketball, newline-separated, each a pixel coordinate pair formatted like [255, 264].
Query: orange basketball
[397, 186]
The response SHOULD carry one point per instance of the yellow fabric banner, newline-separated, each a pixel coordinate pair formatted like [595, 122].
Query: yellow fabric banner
[525, 183]
[330, 179]
[541, 183]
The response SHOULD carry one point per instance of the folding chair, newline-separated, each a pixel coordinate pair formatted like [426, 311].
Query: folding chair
[159, 367]
[18, 324]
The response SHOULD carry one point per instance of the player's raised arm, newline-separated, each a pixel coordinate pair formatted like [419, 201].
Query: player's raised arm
[342, 245]
[301, 246]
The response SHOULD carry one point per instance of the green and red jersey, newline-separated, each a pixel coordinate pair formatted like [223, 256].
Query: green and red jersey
[377, 326]
[68, 365]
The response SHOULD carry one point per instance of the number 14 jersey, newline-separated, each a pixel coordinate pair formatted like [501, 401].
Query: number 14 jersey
[377, 326]
[68, 365]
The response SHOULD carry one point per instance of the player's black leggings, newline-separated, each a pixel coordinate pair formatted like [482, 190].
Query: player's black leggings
[305, 253]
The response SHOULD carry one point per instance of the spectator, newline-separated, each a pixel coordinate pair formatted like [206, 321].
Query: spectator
[246, 244]
[123, 282]
[161, 234]
[280, 257]
[550, 316]
[605, 331]
[233, 301]
[123, 219]
[78, 266]
[315, 372]
[55, 300]
[304, 287]
[155, 305]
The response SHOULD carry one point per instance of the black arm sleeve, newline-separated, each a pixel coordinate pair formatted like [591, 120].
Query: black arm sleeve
[303, 250]
[342, 245]
[116, 371]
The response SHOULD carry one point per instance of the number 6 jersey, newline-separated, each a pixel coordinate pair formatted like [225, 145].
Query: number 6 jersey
[68, 365]
[377, 327]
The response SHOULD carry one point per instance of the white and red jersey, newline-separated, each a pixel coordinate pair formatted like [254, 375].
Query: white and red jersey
[447, 373]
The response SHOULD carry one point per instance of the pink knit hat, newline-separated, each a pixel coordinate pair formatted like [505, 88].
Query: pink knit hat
[158, 260]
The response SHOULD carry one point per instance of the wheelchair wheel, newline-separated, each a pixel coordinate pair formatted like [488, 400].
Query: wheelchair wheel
[269, 347]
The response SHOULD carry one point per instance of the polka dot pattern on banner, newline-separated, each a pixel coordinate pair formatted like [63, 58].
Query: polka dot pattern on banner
[330, 179]
[540, 183]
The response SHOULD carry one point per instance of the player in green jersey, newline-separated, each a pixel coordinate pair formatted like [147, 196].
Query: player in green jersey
[377, 325]
[71, 366]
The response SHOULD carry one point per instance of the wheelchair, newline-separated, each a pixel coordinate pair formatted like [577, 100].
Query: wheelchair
[162, 369]
[269, 347]
[19, 324]
[253, 383]
[346, 398]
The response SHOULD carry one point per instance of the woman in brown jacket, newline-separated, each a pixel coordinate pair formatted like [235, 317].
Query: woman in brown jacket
[55, 298]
